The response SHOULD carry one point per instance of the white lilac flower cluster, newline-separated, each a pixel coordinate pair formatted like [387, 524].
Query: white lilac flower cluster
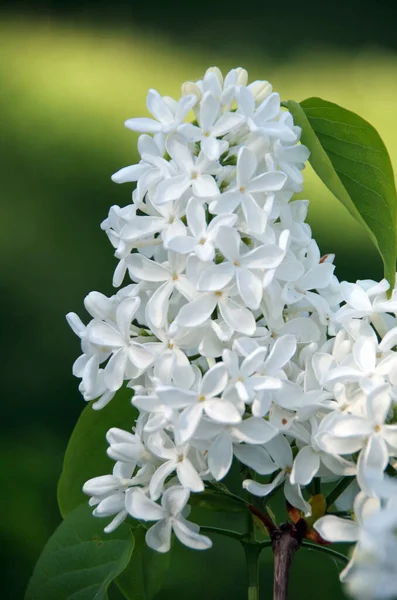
[233, 332]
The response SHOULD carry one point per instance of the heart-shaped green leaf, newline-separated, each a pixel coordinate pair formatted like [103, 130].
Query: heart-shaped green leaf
[85, 455]
[79, 561]
[144, 576]
[350, 157]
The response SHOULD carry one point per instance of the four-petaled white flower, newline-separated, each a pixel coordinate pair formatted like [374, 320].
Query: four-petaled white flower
[169, 517]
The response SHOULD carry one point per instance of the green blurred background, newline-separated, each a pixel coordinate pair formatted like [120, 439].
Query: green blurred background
[70, 74]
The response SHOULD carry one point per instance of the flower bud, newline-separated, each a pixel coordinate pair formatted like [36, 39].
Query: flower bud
[191, 88]
[242, 76]
[260, 90]
[98, 305]
[217, 72]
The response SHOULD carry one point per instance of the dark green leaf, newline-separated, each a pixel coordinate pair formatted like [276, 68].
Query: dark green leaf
[85, 455]
[79, 561]
[213, 500]
[349, 156]
[144, 576]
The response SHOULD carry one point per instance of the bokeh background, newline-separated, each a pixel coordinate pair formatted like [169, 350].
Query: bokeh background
[71, 73]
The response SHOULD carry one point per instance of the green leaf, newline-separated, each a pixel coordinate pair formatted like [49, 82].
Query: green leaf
[79, 561]
[145, 573]
[213, 500]
[85, 455]
[350, 157]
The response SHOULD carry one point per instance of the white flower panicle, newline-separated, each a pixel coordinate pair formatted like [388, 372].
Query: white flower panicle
[233, 332]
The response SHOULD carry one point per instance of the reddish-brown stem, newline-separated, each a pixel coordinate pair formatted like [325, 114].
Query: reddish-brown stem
[268, 523]
[286, 540]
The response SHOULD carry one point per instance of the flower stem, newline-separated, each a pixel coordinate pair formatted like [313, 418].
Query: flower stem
[252, 552]
[337, 490]
[225, 532]
[285, 544]
[326, 550]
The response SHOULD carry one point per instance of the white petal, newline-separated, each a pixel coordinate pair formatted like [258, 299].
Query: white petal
[213, 148]
[339, 445]
[158, 537]
[390, 436]
[144, 269]
[183, 244]
[188, 476]
[364, 353]
[175, 499]
[190, 538]
[139, 355]
[158, 107]
[176, 398]
[197, 311]
[187, 423]
[209, 109]
[249, 287]
[205, 251]
[303, 329]
[228, 241]
[254, 215]
[354, 295]
[282, 351]
[305, 467]
[263, 489]
[205, 187]
[125, 314]
[220, 455]
[157, 307]
[372, 462]
[222, 411]
[98, 305]
[269, 108]
[215, 277]
[180, 154]
[378, 404]
[171, 189]
[232, 363]
[267, 256]
[246, 101]
[115, 370]
[104, 334]
[267, 182]
[280, 450]
[335, 529]
[75, 323]
[99, 486]
[214, 380]
[255, 457]
[226, 203]
[128, 174]
[254, 430]
[141, 507]
[90, 374]
[195, 214]
[158, 478]
[350, 426]
[317, 277]
[237, 318]
[141, 226]
[143, 125]
[226, 123]
[246, 165]
[293, 495]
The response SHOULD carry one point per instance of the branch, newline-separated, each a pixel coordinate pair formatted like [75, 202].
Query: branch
[268, 523]
[285, 542]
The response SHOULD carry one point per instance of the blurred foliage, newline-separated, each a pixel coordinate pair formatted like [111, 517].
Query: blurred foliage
[65, 92]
